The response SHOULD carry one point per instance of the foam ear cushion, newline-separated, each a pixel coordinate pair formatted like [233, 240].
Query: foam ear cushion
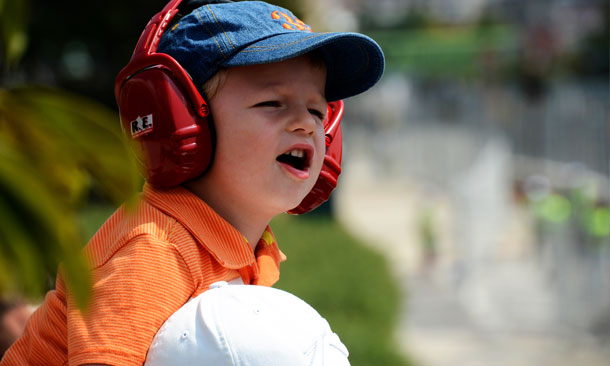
[172, 141]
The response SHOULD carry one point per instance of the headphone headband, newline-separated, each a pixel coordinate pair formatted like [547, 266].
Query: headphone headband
[151, 36]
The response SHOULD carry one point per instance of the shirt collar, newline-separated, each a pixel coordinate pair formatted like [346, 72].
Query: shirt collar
[225, 243]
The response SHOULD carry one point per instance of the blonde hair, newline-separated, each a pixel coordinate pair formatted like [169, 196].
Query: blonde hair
[213, 84]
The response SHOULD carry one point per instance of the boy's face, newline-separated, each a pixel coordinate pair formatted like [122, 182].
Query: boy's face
[270, 141]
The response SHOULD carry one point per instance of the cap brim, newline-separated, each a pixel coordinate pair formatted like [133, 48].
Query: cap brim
[354, 61]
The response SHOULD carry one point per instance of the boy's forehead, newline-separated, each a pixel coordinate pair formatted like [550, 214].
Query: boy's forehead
[279, 76]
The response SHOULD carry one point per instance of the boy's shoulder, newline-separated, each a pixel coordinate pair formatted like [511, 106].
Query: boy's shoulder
[127, 224]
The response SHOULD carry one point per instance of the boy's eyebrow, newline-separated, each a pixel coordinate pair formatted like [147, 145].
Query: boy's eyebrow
[282, 89]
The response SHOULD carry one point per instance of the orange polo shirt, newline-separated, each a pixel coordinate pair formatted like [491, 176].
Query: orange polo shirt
[146, 264]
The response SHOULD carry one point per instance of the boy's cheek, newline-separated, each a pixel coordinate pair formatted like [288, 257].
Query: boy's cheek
[319, 163]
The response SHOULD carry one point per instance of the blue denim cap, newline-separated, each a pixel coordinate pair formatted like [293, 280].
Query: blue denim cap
[254, 32]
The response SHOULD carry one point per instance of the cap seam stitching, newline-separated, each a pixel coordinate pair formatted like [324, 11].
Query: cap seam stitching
[210, 32]
[220, 26]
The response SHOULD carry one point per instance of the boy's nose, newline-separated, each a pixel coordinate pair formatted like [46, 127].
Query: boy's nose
[302, 121]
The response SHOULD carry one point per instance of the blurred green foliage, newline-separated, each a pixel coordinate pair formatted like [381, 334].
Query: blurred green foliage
[554, 208]
[56, 149]
[581, 207]
[456, 51]
[14, 15]
[509, 42]
[598, 222]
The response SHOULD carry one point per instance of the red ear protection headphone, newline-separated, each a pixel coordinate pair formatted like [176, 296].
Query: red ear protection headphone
[168, 121]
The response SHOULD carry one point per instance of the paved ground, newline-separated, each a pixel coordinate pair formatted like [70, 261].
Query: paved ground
[436, 330]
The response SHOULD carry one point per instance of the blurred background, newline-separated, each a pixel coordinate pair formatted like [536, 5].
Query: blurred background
[480, 165]
[475, 192]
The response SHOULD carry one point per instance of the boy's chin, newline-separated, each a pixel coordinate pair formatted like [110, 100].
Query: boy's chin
[288, 206]
[294, 205]
[292, 199]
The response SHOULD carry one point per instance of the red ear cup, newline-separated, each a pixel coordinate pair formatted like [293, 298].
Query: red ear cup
[162, 112]
[331, 169]
[171, 139]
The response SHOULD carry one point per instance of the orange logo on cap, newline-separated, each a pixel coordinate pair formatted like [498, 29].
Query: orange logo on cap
[291, 23]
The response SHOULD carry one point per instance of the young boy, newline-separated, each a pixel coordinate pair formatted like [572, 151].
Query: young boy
[267, 79]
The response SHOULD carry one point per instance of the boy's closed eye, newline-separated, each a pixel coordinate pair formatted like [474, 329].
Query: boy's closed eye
[268, 103]
[274, 103]
[318, 114]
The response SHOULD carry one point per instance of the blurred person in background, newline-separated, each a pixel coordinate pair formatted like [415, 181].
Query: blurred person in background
[14, 314]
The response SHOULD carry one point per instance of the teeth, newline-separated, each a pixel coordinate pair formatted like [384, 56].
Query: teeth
[296, 153]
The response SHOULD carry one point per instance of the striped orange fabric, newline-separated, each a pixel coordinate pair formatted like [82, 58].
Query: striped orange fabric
[146, 265]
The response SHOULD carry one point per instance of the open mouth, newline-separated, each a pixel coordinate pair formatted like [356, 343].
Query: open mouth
[296, 158]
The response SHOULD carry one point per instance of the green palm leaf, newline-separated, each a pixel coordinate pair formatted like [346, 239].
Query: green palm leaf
[54, 148]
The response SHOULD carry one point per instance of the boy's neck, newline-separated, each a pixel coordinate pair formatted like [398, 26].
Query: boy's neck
[250, 223]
